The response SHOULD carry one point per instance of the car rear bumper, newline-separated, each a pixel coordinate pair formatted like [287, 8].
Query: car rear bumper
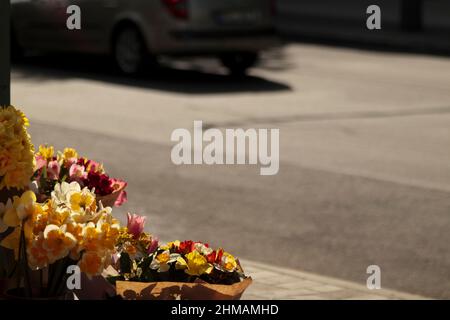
[189, 35]
[210, 42]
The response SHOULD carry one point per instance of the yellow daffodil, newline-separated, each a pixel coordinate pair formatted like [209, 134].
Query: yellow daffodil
[161, 262]
[69, 224]
[23, 207]
[197, 264]
[37, 255]
[228, 263]
[171, 245]
[91, 237]
[181, 264]
[37, 221]
[46, 152]
[82, 201]
[58, 242]
[58, 216]
[26, 205]
[92, 263]
[69, 153]
[62, 191]
[109, 234]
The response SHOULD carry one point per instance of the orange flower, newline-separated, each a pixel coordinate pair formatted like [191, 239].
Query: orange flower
[91, 263]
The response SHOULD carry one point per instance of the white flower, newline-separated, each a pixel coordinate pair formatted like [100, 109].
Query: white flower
[201, 248]
[61, 193]
[161, 262]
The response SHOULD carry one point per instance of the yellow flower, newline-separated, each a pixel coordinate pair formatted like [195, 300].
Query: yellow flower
[58, 216]
[163, 257]
[69, 153]
[92, 263]
[37, 255]
[171, 245]
[91, 238]
[46, 152]
[110, 234]
[82, 202]
[197, 264]
[76, 229]
[58, 242]
[23, 207]
[228, 263]
[37, 221]
[62, 191]
[181, 264]
[69, 224]
[17, 160]
[161, 261]
[26, 205]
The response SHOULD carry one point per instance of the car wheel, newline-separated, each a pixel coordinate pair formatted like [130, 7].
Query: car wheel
[130, 52]
[239, 63]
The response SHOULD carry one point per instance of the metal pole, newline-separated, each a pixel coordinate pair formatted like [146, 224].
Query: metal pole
[5, 53]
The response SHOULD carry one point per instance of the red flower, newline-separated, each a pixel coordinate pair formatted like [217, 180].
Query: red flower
[211, 257]
[186, 247]
[101, 182]
[81, 162]
[219, 255]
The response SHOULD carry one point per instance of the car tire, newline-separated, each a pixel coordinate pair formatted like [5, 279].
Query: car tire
[130, 53]
[238, 63]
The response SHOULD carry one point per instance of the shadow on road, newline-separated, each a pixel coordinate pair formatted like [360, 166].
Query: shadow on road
[164, 77]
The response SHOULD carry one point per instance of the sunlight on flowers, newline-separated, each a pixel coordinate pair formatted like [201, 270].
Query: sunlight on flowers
[17, 161]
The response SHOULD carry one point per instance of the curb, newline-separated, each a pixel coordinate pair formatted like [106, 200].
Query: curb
[300, 285]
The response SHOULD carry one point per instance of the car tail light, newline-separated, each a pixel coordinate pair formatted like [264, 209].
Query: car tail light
[178, 8]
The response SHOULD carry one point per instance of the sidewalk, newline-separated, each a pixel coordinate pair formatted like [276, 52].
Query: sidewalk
[283, 284]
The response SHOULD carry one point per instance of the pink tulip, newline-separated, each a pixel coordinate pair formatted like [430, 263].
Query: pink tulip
[53, 170]
[136, 224]
[40, 162]
[153, 246]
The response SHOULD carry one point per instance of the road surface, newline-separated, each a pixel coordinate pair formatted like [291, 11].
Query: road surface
[365, 155]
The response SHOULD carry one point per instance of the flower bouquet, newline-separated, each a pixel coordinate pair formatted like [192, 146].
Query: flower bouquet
[69, 167]
[67, 230]
[55, 216]
[186, 270]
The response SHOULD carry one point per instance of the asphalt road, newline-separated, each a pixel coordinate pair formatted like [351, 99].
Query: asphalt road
[365, 149]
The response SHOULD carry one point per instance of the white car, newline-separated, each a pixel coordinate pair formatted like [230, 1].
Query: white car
[134, 32]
